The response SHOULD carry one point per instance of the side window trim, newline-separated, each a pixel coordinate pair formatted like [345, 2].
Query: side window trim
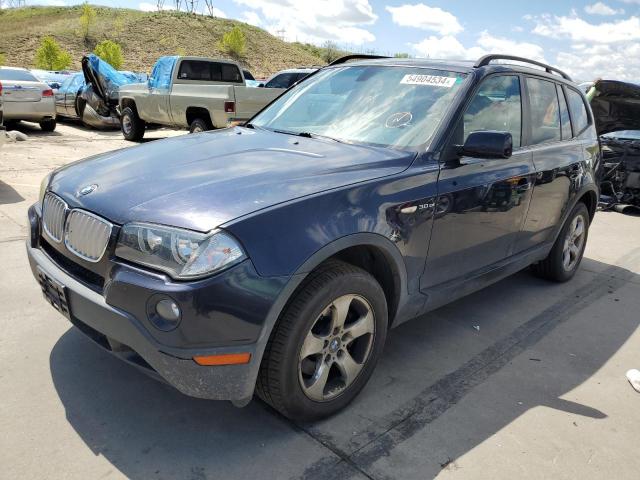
[529, 123]
[477, 89]
[560, 91]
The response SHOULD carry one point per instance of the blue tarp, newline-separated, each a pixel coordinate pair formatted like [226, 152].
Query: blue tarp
[110, 78]
[161, 74]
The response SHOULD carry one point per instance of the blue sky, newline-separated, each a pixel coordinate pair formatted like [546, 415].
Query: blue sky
[589, 38]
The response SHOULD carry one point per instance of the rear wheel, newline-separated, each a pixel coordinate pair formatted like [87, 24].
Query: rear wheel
[48, 125]
[199, 125]
[132, 125]
[326, 345]
[564, 259]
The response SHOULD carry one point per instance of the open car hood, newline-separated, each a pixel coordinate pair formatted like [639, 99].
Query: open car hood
[615, 105]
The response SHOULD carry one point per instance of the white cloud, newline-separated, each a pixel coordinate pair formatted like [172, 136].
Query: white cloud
[341, 21]
[450, 47]
[425, 17]
[152, 7]
[600, 8]
[216, 12]
[579, 30]
[251, 17]
[602, 61]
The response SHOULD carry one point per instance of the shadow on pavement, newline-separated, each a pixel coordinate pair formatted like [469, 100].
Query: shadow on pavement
[8, 194]
[147, 429]
[33, 130]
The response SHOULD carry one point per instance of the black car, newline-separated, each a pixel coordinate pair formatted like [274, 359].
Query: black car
[274, 257]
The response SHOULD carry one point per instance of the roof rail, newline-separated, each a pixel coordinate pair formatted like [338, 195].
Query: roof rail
[356, 56]
[496, 56]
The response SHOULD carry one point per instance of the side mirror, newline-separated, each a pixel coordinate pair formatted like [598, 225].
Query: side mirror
[488, 144]
[261, 85]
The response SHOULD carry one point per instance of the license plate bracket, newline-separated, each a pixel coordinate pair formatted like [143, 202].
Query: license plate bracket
[55, 293]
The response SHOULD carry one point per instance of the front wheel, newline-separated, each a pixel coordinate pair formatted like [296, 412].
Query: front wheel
[199, 125]
[326, 345]
[132, 125]
[566, 254]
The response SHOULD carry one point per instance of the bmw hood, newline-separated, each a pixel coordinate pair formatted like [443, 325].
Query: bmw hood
[202, 181]
[615, 105]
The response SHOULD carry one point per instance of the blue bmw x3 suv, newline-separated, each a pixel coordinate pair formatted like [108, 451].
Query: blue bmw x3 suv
[273, 257]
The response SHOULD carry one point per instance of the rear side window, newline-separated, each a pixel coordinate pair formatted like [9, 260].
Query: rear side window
[496, 106]
[230, 73]
[17, 75]
[564, 115]
[545, 111]
[579, 116]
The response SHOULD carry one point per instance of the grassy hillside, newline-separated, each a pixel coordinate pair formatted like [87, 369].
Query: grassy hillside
[144, 37]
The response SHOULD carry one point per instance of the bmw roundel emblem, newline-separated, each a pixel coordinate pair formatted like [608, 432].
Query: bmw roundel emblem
[87, 190]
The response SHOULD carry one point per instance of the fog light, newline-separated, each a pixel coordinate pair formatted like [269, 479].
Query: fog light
[163, 312]
[169, 310]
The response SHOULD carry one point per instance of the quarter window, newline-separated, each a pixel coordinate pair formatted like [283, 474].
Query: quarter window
[579, 116]
[545, 111]
[564, 115]
[496, 106]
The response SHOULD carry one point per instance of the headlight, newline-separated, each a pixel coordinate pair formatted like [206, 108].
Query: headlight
[183, 254]
[44, 184]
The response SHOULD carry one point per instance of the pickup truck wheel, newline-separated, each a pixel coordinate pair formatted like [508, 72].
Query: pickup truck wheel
[199, 125]
[325, 346]
[564, 259]
[48, 125]
[132, 126]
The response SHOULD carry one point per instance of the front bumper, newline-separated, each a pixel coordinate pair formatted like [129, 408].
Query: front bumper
[106, 317]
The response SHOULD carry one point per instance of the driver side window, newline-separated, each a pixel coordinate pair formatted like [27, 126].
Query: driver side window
[496, 106]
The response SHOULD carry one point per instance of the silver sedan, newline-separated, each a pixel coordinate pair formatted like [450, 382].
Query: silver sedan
[24, 97]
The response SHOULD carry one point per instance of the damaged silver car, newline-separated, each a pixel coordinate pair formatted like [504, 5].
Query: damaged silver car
[616, 110]
[97, 99]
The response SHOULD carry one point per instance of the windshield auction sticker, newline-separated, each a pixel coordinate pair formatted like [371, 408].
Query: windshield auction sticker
[430, 80]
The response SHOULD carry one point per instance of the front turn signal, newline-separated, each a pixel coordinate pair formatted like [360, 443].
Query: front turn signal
[223, 359]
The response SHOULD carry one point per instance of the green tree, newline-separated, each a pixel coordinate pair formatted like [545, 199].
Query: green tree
[50, 56]
[111, 53]
[87, 19]
[401, 55]
[234, 42]
[2, 59]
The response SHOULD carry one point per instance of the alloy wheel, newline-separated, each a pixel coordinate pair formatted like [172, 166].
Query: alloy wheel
[573, 243]
[336, 348]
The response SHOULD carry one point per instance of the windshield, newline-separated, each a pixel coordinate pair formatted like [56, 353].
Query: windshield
[398, 107]
[624, 135]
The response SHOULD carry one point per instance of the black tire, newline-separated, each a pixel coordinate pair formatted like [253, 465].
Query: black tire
[280, 378]
[48, 125]
[199, 125]
[553, 267]
[11, 124]
[132, 125]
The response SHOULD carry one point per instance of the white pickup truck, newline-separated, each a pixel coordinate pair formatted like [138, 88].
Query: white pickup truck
[190, 92]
